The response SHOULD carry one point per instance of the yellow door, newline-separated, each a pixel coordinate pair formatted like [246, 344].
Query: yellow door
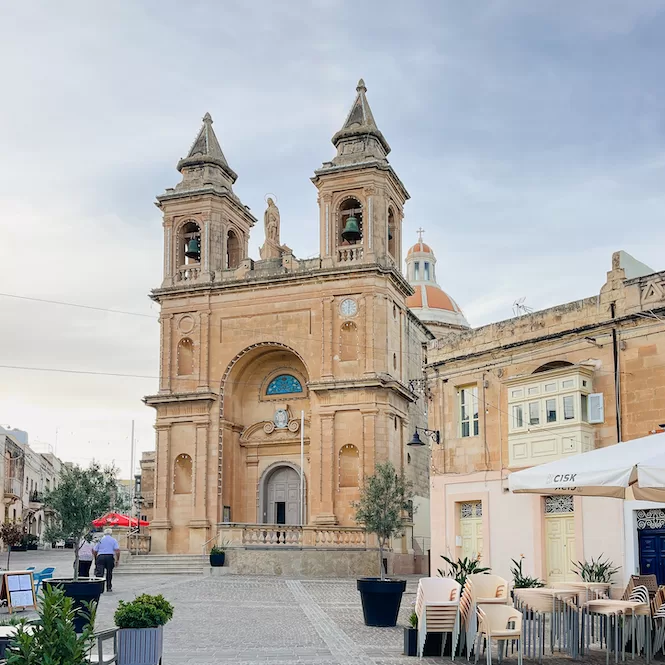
[560, 547]
[471, 530]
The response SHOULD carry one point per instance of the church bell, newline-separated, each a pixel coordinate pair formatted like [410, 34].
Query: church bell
[193, 250]
[351, 232]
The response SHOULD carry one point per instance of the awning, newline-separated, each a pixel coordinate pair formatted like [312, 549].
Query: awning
[628, 470]
[116, 519]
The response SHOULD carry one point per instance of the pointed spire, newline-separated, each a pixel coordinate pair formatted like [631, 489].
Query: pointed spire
[360, 122]
[206, 150]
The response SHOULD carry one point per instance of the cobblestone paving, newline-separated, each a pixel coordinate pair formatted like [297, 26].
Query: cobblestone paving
[266, 620]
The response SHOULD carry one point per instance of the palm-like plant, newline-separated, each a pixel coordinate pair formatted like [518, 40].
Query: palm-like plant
[522, 581]
[595, 570]
[462, 568]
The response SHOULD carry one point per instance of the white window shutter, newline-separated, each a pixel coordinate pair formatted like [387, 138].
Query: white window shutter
[596, 408]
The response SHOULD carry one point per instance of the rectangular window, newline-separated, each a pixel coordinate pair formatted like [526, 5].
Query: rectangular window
[534, 413]
[550, 408]
[426, 271]
[550, 387]
[468, 410]
[516, 393]
[416, 270]
[568, 383]
[596, 408]
[584, 411]
[568, 407]
[534, 390]
[518, 416]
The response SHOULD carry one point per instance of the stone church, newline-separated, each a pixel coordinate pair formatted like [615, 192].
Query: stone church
[284, 381]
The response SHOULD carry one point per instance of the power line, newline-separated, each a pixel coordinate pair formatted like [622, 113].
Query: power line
[72, 304]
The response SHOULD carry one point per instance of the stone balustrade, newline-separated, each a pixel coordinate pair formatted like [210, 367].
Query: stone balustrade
[284, 535]
[350, 253]
[187, 273]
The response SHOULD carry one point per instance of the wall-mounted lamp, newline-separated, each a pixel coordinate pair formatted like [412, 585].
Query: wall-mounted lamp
[434, 434]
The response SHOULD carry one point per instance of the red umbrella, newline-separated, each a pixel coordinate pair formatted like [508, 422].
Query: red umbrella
[116, 519]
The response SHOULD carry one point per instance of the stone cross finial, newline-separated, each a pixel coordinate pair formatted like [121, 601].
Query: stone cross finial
[361, 86]
[420, 232]
[207, 118]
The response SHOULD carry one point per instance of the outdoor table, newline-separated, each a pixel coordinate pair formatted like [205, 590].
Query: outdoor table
[557, 607]
[614, 609]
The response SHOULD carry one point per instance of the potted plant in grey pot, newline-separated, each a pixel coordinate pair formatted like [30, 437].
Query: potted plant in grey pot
[141, 629]
[80, 496]
[411, 635]
[217, 555]
[384, 501]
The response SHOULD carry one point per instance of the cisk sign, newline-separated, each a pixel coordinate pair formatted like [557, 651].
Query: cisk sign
[562, 481]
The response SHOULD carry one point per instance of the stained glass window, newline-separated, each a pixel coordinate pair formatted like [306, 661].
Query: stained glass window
[283, 385]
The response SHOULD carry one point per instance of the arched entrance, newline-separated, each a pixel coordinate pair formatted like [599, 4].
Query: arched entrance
[280, 495]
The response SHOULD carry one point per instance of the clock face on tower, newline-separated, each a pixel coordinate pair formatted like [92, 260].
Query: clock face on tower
[348, 307]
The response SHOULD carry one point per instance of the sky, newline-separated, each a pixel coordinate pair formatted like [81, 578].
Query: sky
[529, 134]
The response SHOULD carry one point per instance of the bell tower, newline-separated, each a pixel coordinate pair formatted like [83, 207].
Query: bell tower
[361, 199]
[206, 226]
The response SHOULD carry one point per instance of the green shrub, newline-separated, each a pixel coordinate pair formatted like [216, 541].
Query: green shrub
[53, 639]
[595, 570]
[522, 581]
[462, 568]
[217, 549]
[144, 611]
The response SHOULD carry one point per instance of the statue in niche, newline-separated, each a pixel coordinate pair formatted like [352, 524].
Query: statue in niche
[271, 248]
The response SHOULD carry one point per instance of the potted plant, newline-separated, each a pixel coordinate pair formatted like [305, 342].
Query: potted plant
[52, 638]
[141, 628]
[522, 581]
[384, 500]
[80, 496]
[411, 635]
[11, 534]
[596, 570]
[462, 568]
[217, 555]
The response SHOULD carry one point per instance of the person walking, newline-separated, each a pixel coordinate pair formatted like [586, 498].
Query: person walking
[107, 556]
[86, 556]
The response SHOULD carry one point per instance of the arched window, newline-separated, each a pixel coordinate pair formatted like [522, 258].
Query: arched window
[349, 341]
[189, 245]
[232, 249]
[351, 208]
[349, 475]
[284, 384]
[182, 474]
[185, 357]
[554, 364]
[392, 234]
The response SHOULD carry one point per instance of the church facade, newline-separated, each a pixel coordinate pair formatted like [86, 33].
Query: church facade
[284, 381]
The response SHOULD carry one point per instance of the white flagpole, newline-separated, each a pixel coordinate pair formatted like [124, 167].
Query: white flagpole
[302, 464]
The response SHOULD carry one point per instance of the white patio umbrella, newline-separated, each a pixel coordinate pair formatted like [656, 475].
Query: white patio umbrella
[629, 470]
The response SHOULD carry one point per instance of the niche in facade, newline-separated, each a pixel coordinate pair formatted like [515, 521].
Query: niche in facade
[349, 341]
[349, 471]
[182, 474]
[185, 357]
[232, 249]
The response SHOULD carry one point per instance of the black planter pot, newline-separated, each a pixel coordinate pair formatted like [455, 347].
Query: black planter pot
[381, 600]
[19, 548]
[83, 591]
[410, 641]
[217, 560]
[433, 643]
[4, 643]
[32, 546]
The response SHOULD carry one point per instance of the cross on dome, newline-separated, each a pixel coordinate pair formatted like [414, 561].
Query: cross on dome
[420, 232]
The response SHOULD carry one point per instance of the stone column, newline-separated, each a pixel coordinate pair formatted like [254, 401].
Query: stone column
[328, 338]
[326, 473]
[161, 524]
[368, 452]
[204, 348]
[166, 370]
[369, 326]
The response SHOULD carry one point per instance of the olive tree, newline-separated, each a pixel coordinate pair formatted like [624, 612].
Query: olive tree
[384, 499]
[11, 534]
[80, 496]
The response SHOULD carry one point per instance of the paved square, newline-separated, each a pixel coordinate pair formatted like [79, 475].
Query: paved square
[263, 620]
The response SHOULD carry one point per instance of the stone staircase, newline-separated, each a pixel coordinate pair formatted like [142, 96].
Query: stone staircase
[162, 564]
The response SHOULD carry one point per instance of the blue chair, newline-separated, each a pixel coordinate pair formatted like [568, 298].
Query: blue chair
[42, 575]
[30, 568]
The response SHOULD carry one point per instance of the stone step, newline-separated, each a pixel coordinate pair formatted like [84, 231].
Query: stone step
[159, 570]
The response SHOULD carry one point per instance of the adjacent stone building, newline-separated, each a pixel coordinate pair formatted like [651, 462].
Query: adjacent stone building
[284, 381]
[536, 388]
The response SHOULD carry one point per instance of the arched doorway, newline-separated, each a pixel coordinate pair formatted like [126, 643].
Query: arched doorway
[281, 496]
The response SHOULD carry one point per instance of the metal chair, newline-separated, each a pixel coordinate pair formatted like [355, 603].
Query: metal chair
[101, 657]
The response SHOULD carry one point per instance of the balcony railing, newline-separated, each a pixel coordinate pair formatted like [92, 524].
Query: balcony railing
[303, 537]
[36, 499]
[13, 488]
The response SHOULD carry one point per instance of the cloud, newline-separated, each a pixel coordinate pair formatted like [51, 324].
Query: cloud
[530, 136]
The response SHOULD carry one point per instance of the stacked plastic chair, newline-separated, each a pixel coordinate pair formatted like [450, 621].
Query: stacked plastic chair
[501, 623]
[658, 614]
[438, 611]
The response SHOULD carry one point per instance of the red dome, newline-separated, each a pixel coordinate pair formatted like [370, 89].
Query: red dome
[435, 299]
[420, 247]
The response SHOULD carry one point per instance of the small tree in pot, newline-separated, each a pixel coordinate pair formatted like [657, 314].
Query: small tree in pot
[141, 621]
[80, 496]
[11, 534]
[384, 499]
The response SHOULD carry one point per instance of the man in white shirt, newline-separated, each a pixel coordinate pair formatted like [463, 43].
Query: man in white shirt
[107, 556]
